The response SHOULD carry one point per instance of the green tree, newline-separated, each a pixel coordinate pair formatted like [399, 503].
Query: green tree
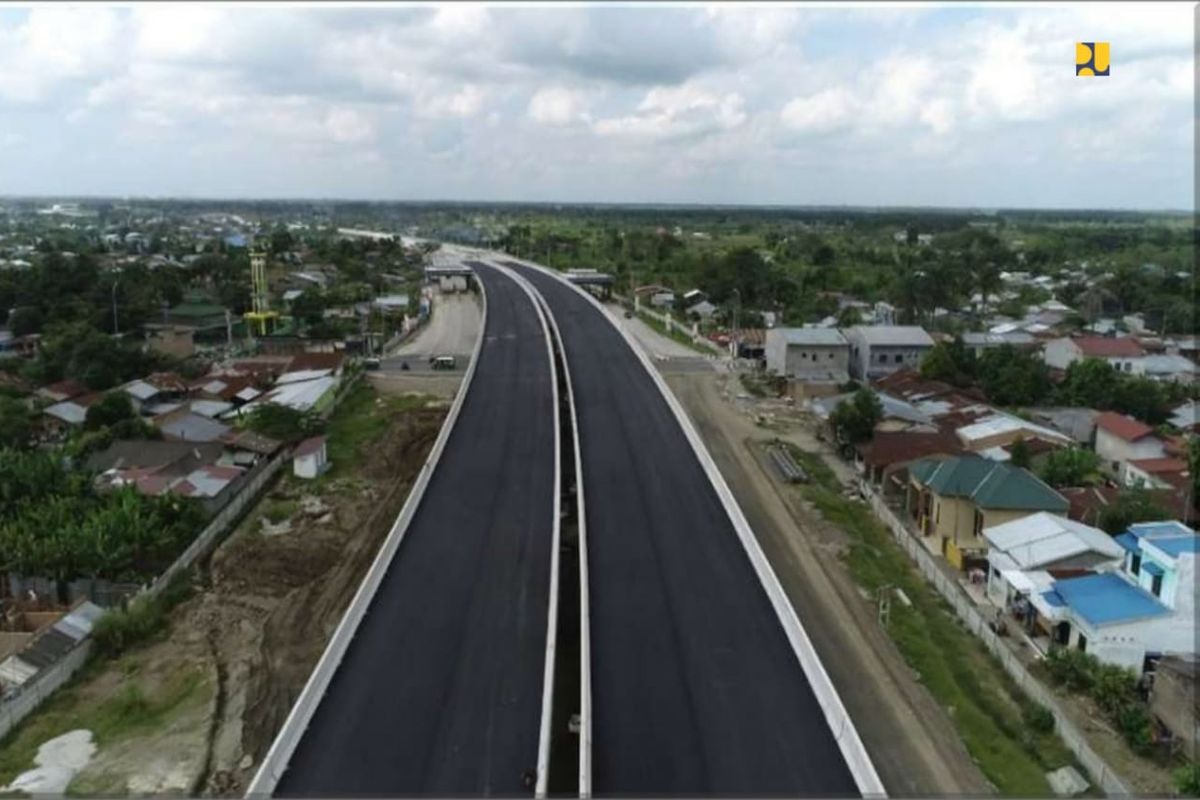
[1019, 455]
[1012, 377]
[281, 240]
[1091, 382]
[283, 422]
[952, 362]
[309, 307]
[1141, 397]
[110, 409]
[25, 320]
[16, 422]
[848, 317]
[1132, 505]
[855, 419]
[1071, 466]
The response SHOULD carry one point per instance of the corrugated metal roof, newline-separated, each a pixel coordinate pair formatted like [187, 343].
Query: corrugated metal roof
[140, 389]
[70, 412]
[193, 428]
[997, 424]
[1106, 598]
[302, 375]
[893, 335]
[14, 671]
[1044, 538]
[210, 408]
[809, 336]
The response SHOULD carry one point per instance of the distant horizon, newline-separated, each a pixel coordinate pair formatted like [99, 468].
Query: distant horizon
[983, 210]
[784, 105]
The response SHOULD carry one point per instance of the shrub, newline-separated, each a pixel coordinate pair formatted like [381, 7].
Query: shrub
[1073, 668]
[143, 618]
[1038, 718]
[1187, 780]
[1115, 688]
[1135, 727]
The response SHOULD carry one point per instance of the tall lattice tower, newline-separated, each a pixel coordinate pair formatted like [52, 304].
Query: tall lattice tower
[260, 298]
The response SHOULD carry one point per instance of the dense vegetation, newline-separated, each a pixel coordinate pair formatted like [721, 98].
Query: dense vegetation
[1012, 377]
[53, 523]
[792, 260]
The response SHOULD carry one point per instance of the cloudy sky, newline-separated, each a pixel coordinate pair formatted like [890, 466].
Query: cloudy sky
[862, 105]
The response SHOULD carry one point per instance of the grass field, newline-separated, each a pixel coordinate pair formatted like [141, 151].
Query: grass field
[1003, 730]
[127, 711]
[361, 418]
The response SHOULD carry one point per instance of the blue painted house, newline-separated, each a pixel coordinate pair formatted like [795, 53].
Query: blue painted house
[1135, 614]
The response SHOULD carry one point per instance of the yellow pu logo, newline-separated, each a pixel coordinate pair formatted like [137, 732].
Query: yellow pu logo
[1091, 59]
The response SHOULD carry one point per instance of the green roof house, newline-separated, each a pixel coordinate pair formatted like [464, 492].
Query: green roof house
[952, 500]
[199, 312]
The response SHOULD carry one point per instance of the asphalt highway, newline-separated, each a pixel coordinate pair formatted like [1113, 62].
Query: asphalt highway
[440, 692]
[695, 687]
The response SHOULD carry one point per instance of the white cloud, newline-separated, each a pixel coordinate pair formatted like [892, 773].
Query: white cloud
[466, 102]
[722, 103]
[54, 45]
[674, 112]
[823, 112]
[557, 105]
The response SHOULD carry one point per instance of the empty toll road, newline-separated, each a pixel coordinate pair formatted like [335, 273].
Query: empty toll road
[696, 688]
[440, 692]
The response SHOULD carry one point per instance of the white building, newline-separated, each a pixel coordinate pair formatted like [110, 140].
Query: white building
[1120, 352]
[879, 350]
[808, 354]
[310, 458]
[1142, 611]
[1042, 541]
[1166, 367]
[1121, 439]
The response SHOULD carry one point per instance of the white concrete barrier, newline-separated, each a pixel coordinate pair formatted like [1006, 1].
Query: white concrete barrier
[850, 744]
[546, 730]
[276, 761]
[585, 665]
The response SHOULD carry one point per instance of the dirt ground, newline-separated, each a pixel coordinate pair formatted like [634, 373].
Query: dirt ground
[217, 687]
[911, 739]
[436, 384]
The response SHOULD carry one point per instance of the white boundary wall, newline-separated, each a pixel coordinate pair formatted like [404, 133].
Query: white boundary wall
[276, 761]
[851, 746]
[1100, 772]
[41, 686]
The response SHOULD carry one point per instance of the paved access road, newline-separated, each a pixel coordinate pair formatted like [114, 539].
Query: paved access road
[695, 687]
[451, 331]
[440, 691]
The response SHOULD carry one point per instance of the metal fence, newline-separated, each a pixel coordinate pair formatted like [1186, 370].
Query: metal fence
[1101, 773]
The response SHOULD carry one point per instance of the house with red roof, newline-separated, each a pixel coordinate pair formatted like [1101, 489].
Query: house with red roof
[885, 455]
[61, 391]
[1121, 439]
[1122, 352]
[1157, 473]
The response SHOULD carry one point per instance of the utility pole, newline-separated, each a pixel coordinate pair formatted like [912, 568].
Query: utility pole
[735, 335]
[116, 330]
